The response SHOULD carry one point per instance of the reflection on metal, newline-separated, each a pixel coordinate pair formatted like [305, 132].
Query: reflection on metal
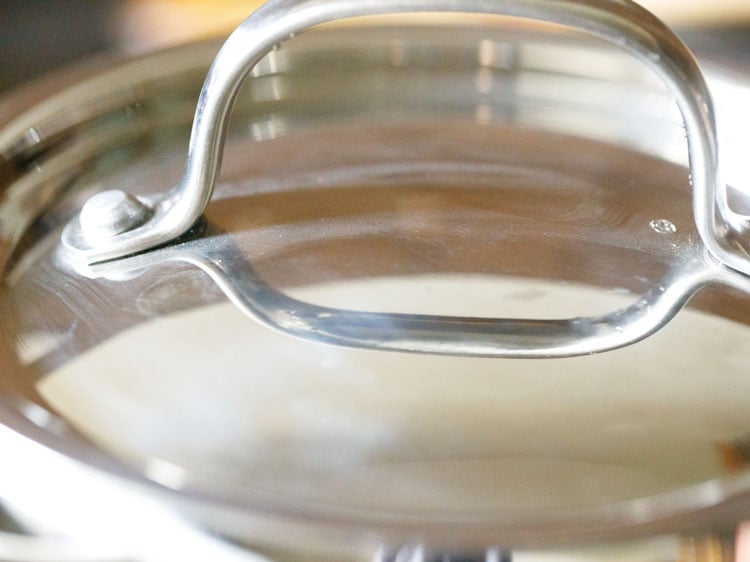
[48, 299]
[88, 516]
[629, 26]
[148, 222]
[419, 553]
[445, 335]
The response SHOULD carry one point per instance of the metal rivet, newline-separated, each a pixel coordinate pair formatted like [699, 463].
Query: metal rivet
[109, 213]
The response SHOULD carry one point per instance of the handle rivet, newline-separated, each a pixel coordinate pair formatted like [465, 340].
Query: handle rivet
[109, 213]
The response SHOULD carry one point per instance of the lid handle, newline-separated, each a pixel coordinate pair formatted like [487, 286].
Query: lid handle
[434, 334]
[116, 225]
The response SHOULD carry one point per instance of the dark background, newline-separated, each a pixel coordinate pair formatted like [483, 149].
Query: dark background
[37, 36]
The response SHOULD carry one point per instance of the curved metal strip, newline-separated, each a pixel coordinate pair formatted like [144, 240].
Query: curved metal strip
[443, 335]
[621, 22]
[451, 335]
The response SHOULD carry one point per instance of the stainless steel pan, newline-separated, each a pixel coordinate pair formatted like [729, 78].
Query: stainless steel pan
[461, 190]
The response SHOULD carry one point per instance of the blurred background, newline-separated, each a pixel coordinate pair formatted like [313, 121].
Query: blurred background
[41, 35]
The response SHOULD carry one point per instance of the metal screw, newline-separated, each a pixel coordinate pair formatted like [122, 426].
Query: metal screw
[109, 213]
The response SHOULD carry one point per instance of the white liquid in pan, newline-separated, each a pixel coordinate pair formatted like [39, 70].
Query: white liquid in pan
[211, 395]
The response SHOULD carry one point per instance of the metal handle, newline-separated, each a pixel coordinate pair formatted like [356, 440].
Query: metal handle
[218, 257]
[114, 224]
